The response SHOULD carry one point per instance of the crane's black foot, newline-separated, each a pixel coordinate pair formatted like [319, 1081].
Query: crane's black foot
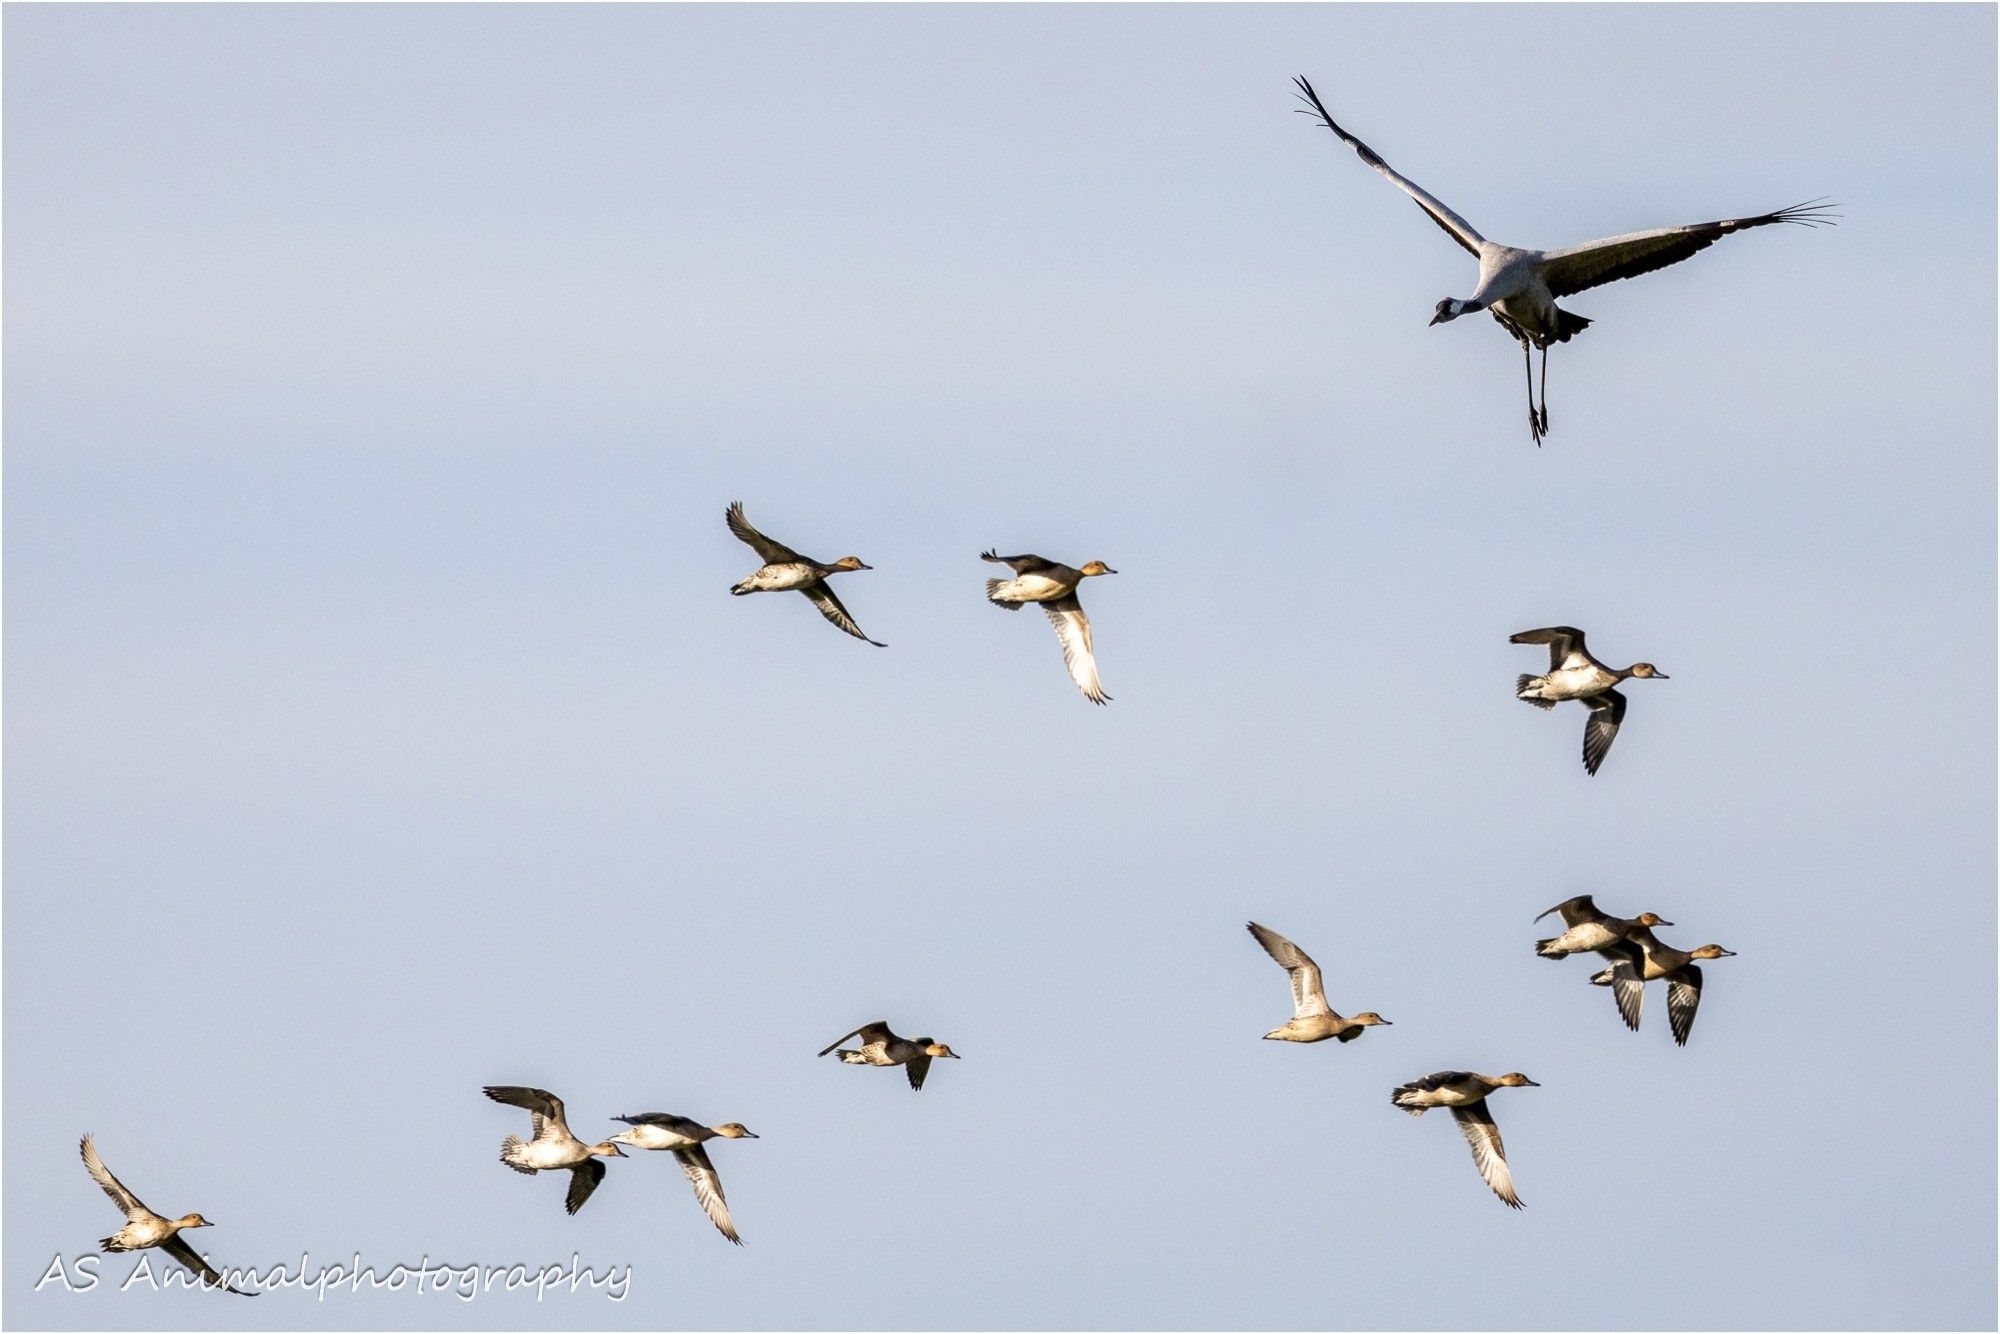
[1535, 427]
[1543, 428]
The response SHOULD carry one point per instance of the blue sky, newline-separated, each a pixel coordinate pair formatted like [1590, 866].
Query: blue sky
[378, 727]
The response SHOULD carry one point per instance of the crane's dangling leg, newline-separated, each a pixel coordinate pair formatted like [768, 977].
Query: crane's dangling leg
[1545, 390]
[1528, 365]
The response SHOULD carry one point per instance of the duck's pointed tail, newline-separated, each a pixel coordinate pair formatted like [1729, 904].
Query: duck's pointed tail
[1523, 684]
[508, 1148]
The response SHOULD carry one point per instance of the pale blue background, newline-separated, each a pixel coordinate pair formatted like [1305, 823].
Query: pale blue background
[378, 727]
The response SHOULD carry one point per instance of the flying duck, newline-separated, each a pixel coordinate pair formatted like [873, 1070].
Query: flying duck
[1054, 586]
[144, 1228]
[785, 568]
[881, 1047]
[1465, 1093]
[551, 1145]
[684, 1139]
[1521, 287]
[1589, 929]
[1641, 958]
[1574, 674]
[1313, 1020]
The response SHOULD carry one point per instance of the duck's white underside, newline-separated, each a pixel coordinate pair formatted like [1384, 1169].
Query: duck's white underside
[779, 578]
[1589, 936]
[1570, 683]
[543, 1155]
[140, 1233]
[1028, 588]
[655, 1137]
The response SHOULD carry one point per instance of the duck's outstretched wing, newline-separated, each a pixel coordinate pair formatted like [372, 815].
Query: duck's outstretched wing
[1456, 227]
[829, 606]
[1683, 998]
[1489, 1155]
[101, 1174]
[680, 1125]
[583, 1179]
[1606, 712]
[544, 1106]
[773, 553]
[875, 1032]
[917, 1067]
[708, 1189]
[1564, 641]
[1308, 990]
[1018, 564]
[1575, 911]
[177, 1246]
[1073, 629]
[1626, 978]
[1595, 263]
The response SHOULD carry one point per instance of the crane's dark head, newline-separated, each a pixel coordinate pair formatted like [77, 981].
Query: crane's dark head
[1451, 308]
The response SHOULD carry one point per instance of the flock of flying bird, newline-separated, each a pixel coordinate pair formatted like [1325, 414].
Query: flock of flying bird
[1519, 288]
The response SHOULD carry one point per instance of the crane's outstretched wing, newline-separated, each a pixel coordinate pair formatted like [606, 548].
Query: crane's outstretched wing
[1595, 263]
[1456, 227]
[1308, 991]
[829, 606]
[773, 553]
[1073, 629]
